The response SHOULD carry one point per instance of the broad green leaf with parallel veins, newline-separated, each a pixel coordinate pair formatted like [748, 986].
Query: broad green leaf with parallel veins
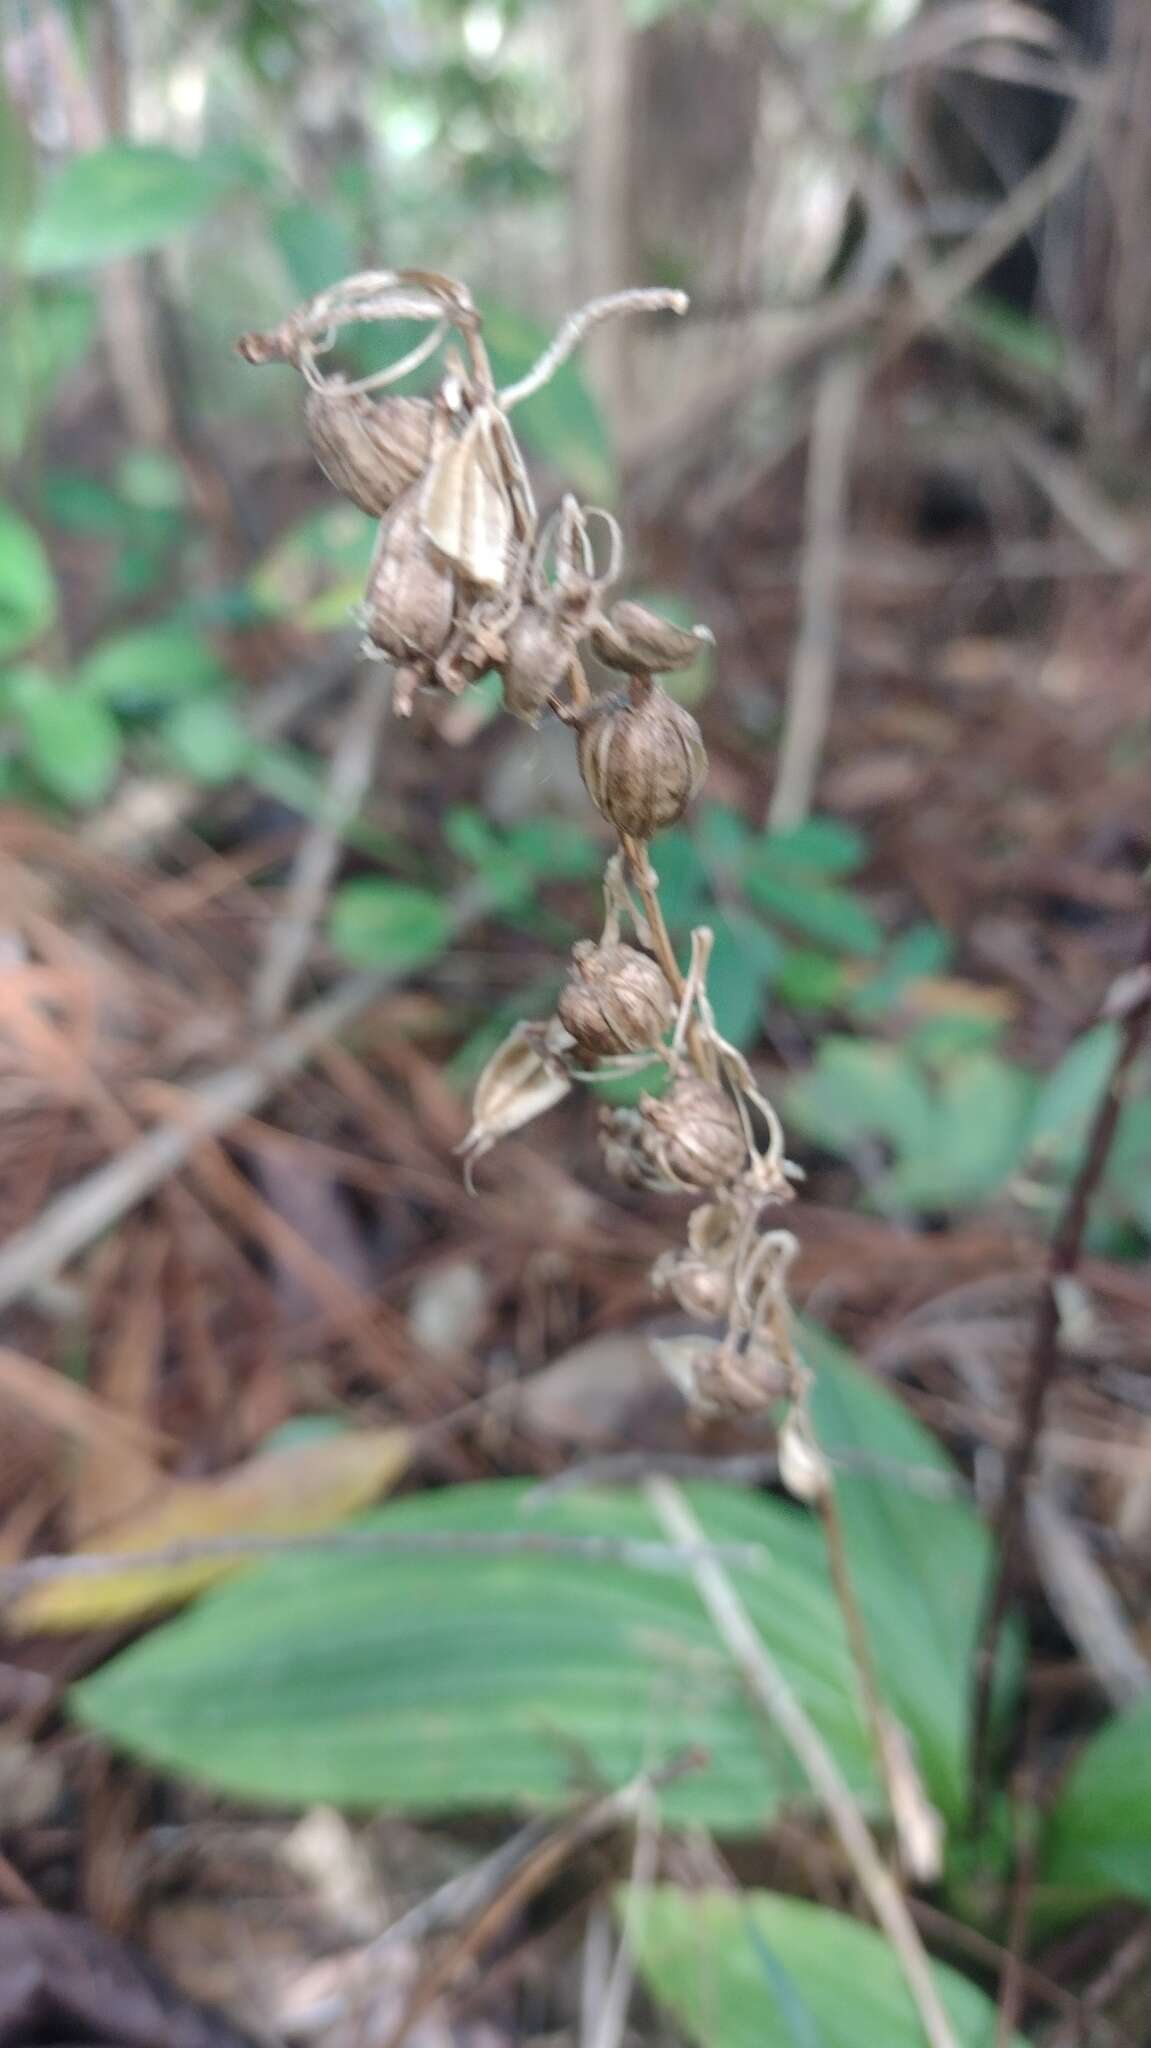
[27, 585]
[120, 201]
[387, 924]
[751, 1969]
[432, 1684]
[1097, 1842]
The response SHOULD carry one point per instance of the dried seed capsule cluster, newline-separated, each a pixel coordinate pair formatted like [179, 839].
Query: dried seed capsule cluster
[463, 579]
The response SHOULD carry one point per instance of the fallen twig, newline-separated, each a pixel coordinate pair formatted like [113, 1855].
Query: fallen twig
[638, 1552]
[92, 1205]
[810, 684]
[772, 1693]
[349, 779]
[1130, 999]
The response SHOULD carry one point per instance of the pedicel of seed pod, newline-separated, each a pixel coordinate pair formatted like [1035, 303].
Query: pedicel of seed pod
[370, 449]
[617, 1000]
[639, 642]
[641, 758]
[694, 1135]
[539, 657]
[411, 594]
[700, 1286]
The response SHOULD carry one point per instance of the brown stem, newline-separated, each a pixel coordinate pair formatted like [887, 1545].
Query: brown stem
[647, 889]
[866, 1676]
[1133, 1003]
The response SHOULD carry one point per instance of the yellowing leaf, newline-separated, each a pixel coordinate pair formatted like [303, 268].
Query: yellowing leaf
[291, 1492]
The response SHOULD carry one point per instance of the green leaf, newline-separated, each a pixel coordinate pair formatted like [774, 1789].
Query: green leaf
[743, 961]
[683, 889]
[150, 666]
[27, 586]
[391, 1678]
[751, 1969]
[922, 951]
[119, 201]
[1070, 1096]
[1097, 1843]
[834, 917]
[207, 739]
[980, 1120]
[723, 837]
[918, 1556]
[388, 924]
[428, 1685]
[71, 742]
[562, 423]
[556, 849]
[820, 846]
[314, 244]
[859, 1089]
[810, 981]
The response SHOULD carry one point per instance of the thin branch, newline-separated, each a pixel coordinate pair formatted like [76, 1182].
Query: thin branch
[639, 1553]
[773, 1695]
[643, 299]
[811, 682]
[349, 779]
[1131, 1000]
[92, 1205]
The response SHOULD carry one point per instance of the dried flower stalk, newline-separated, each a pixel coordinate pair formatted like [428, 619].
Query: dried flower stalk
[463, 580]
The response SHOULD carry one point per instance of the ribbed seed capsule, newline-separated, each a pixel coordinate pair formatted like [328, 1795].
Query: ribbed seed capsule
[693, 1135]
[641, 758]
[539, 654]
[641, 643]
[411, 595]
[616, 1001]
[370, 449]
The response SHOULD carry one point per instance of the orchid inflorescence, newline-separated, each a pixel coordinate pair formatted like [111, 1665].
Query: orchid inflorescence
[465, 579]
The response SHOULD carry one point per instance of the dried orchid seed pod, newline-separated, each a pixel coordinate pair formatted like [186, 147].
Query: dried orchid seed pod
[521, 1080]
[411, 595]
[616, 1001]
[539, 656]
[370, 449]
[641, 643]
[694, 1135]
[641, 758]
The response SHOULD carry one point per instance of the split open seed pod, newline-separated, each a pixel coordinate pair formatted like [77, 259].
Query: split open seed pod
[521, 1080]
[640, 643]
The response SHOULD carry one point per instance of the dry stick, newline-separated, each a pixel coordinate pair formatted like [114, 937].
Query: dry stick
[643, 875]
[641, 1554]
[863, 1662]
[772, 1693]
[349, 779]
[810, 684]
[1130, 999]
[91, 1205]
